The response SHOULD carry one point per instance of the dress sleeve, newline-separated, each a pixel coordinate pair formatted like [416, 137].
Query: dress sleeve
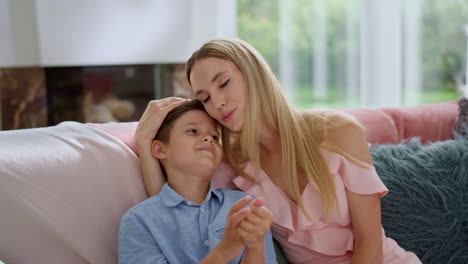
[360, 177]
[136, 244]
[223, 177]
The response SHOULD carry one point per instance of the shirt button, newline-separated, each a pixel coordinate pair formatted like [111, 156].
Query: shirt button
[207, 243]
[189, 203]
[202, 210]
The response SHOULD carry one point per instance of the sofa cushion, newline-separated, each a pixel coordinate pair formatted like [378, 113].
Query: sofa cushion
[63, 191]
[426, 209]
[122, 130]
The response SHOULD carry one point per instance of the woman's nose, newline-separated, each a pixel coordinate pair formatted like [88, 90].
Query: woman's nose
[219, 100]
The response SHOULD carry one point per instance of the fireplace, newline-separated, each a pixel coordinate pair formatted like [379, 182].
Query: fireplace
[38, 97]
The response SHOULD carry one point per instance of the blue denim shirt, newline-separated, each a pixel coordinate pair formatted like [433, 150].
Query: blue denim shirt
[166, 228]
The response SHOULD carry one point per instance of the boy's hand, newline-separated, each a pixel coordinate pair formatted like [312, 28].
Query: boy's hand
[231, 244]
[253, 228]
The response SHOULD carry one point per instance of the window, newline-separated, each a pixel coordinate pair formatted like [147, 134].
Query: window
[435, 54]
[360, 53]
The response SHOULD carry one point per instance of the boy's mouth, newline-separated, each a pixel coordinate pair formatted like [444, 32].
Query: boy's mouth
[209, 149]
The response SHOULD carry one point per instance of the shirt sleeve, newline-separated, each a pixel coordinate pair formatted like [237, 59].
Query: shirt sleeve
[136, 244]
[270, 255]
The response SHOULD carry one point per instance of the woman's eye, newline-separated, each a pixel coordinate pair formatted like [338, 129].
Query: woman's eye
[225, 83]
[192, 131]
[216, 138]
[206, 100]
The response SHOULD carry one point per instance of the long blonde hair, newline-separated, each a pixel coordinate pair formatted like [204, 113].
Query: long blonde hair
[301, 133]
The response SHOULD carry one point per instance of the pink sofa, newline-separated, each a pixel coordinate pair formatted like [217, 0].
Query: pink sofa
[64, 188]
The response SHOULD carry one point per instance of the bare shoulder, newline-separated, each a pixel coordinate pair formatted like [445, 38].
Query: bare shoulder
[340, 129]
[351, 139]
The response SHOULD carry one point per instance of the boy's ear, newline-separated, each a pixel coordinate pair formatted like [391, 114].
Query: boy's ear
[158, 149]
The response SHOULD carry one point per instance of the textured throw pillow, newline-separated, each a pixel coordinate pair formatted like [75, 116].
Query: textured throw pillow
[461, 125]
[426, 210]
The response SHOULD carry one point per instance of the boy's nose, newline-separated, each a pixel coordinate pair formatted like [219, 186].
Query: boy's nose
[208, 139]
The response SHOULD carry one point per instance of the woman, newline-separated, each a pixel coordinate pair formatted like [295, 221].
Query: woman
[313, 168]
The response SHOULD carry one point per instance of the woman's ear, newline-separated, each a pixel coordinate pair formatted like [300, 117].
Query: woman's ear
[158, 149]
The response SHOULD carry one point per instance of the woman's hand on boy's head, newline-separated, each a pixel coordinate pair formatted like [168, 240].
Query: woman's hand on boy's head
[255, 225]
[152, 119]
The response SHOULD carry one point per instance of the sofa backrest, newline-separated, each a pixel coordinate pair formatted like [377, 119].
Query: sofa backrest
[431, 122]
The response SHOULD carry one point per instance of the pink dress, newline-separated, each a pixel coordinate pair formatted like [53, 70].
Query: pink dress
[317, 241]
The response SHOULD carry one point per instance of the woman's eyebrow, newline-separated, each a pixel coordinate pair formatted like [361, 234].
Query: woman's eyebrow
[217, 76]
[212, 81]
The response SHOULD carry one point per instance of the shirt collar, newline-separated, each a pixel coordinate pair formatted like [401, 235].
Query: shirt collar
[213, 191]
[171, 198]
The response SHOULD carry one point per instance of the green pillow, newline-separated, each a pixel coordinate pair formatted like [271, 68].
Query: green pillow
[426, 210]
[279, 253]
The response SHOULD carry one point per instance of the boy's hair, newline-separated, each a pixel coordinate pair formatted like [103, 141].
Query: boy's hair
[164, 131]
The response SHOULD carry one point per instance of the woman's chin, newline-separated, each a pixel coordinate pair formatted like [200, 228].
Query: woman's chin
[233, 127]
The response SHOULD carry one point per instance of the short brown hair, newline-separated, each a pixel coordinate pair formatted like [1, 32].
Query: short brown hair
[164, 131]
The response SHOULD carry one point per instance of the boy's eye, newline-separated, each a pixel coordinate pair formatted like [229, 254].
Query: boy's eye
[192, 131]
[216, 138]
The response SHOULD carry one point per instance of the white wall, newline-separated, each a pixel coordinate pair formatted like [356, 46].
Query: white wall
[212, 19]
[18, 35]
[110, 32]
[113, 32]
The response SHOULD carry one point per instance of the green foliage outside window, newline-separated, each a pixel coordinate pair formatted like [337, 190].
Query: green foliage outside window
[443, 45]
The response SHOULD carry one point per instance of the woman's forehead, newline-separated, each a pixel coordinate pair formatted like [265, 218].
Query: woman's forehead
[205, 70]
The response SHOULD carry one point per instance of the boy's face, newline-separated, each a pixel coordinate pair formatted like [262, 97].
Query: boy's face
[193, 145]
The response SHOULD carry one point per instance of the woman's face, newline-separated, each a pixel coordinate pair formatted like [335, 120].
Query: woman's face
[222, 88]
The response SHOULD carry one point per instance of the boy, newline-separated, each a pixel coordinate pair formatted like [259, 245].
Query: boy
[190, 221]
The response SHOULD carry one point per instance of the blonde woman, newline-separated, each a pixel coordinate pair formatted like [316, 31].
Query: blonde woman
[313, 168]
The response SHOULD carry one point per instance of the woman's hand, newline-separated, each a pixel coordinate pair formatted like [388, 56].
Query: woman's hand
[253, 228]
[152, 118]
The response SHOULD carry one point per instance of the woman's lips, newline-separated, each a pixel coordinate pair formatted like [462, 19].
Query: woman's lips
[228, 116]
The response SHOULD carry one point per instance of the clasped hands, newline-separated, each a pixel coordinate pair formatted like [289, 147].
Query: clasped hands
[245, 226]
